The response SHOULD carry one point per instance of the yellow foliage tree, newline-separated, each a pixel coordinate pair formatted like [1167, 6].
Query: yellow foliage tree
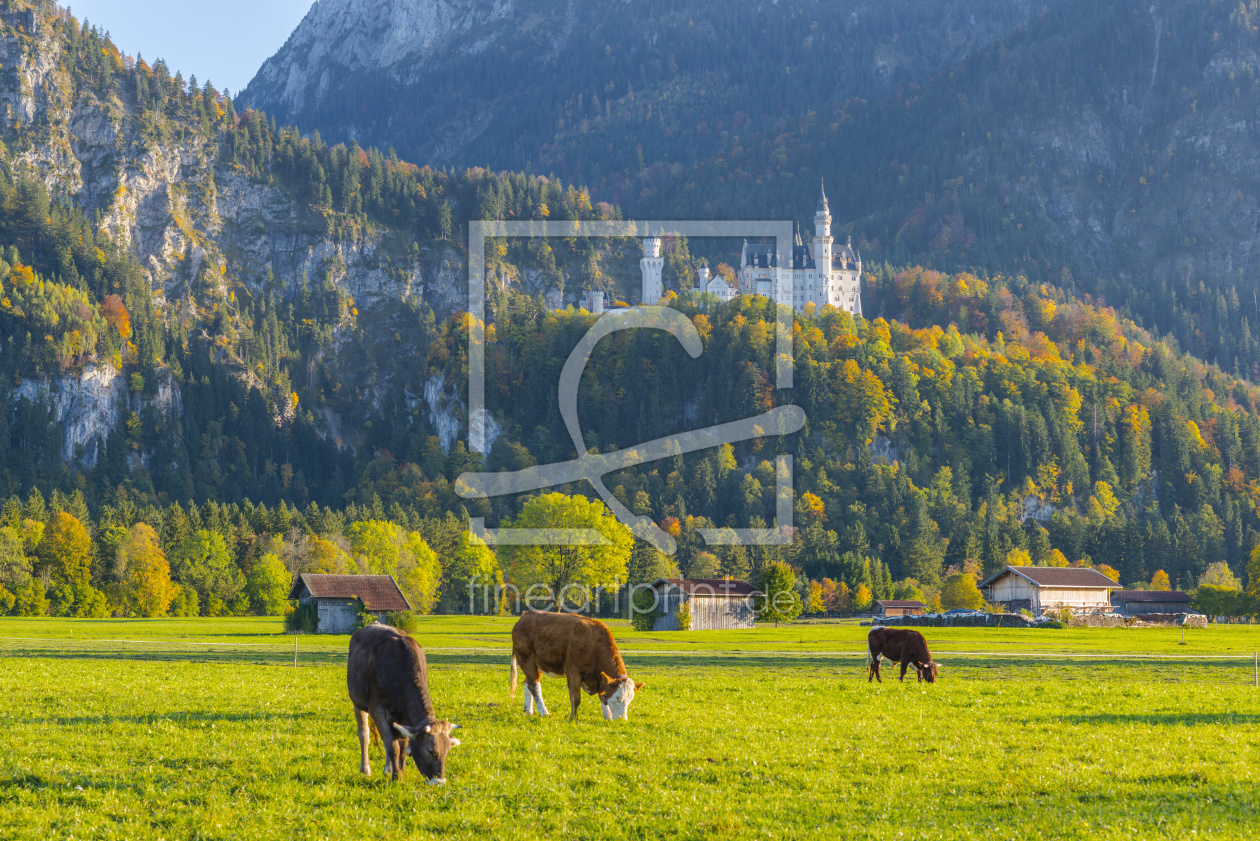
[143, 573]
[815, 603]
[862, 598]
[1159, 581]
[1055, 558]
[960, 590]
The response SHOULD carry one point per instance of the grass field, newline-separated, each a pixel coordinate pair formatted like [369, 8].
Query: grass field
[203, 728]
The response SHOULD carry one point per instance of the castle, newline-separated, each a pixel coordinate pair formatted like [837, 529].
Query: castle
[815, 276]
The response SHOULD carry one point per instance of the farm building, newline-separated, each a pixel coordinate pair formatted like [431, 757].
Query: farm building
[1050, 588]
[898, 608]
[717, 604]
[1138, 602]
[335, 595]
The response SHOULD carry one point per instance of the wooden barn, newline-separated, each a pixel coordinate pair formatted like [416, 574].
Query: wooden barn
[1050, 588]
[717, 604]
[885, 607]
[1138, 602]
[335, 595]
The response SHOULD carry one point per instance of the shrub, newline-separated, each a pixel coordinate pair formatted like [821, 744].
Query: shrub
[403, 620]
[303, 620]
[364, 618]
[1053, 623]
[646, 610]
[682, 615]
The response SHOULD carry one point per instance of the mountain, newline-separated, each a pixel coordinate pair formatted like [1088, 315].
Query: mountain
[243, 297]
[1107, 145]
[518, 84]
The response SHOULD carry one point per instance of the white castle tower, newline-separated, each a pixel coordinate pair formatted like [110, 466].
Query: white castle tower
[651, 265]
[822, 236]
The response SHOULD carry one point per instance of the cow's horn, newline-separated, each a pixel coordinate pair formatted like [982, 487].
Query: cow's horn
[403, 730]
[428, 728]
[456, 726]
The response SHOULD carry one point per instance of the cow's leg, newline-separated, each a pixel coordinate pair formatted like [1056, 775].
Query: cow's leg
[386, 730]
[904, 665]
[536, 687]
[529, 698]
[575, 694]
[365, 737]
[876, 660]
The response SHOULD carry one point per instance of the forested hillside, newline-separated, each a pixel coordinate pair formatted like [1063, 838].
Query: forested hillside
[1106, 146]
[231, 352]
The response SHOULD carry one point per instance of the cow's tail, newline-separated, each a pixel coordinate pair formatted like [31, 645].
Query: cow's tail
[870, 657]
[512, 682]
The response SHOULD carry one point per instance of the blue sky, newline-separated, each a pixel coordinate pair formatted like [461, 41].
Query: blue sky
[225, 41]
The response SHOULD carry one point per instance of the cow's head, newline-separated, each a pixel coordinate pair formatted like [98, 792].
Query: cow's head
[928, 672]
[616, 696]
[429, 743]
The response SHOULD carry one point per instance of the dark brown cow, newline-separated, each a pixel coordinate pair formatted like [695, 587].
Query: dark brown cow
[389, 687]
[579, 649]
[900, 645]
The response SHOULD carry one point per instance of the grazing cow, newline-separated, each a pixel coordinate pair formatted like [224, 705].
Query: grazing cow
[900, 645]
[389, 687]
[579, 649]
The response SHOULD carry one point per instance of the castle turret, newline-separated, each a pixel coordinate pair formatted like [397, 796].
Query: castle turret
[822, 236]
[651, 265]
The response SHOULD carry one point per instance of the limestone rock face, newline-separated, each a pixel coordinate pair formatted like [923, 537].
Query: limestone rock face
[90, 406]
[348, 35]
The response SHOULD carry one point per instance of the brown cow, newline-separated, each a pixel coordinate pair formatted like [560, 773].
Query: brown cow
[389, 687]
[900, 645]
[579, 649]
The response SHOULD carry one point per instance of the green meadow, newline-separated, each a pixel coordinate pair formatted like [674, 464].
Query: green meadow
[203, 728]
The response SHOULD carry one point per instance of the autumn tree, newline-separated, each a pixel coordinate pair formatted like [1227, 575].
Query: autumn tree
[143, 574]
[65, 555]
[1159, 581]
[384, 548]
[560, 564]
[960, 591]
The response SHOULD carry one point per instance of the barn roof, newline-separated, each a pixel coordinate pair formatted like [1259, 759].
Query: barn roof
[1057, 577]
[710, 586]
[379, 592]
[1150, 596]
[899, 603]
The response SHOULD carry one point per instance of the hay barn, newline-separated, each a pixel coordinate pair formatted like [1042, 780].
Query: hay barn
[1140, 602]
[716, 604]
[335, 595]
[1040, 589]
[885, 607]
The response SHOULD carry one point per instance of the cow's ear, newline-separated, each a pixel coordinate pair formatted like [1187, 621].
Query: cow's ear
[638, 686]
[607, 679]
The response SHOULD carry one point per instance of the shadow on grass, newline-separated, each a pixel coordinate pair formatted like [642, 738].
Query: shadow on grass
[193, 717]
[841, 665]
[1162, 719]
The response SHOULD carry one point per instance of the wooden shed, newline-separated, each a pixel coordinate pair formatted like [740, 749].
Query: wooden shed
[887, 607]
[717, 604]
[1050, 588]
[1138, 602]
[335, 595]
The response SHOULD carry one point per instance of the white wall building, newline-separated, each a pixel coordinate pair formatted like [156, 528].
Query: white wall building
[651, 266]
[817, 275]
